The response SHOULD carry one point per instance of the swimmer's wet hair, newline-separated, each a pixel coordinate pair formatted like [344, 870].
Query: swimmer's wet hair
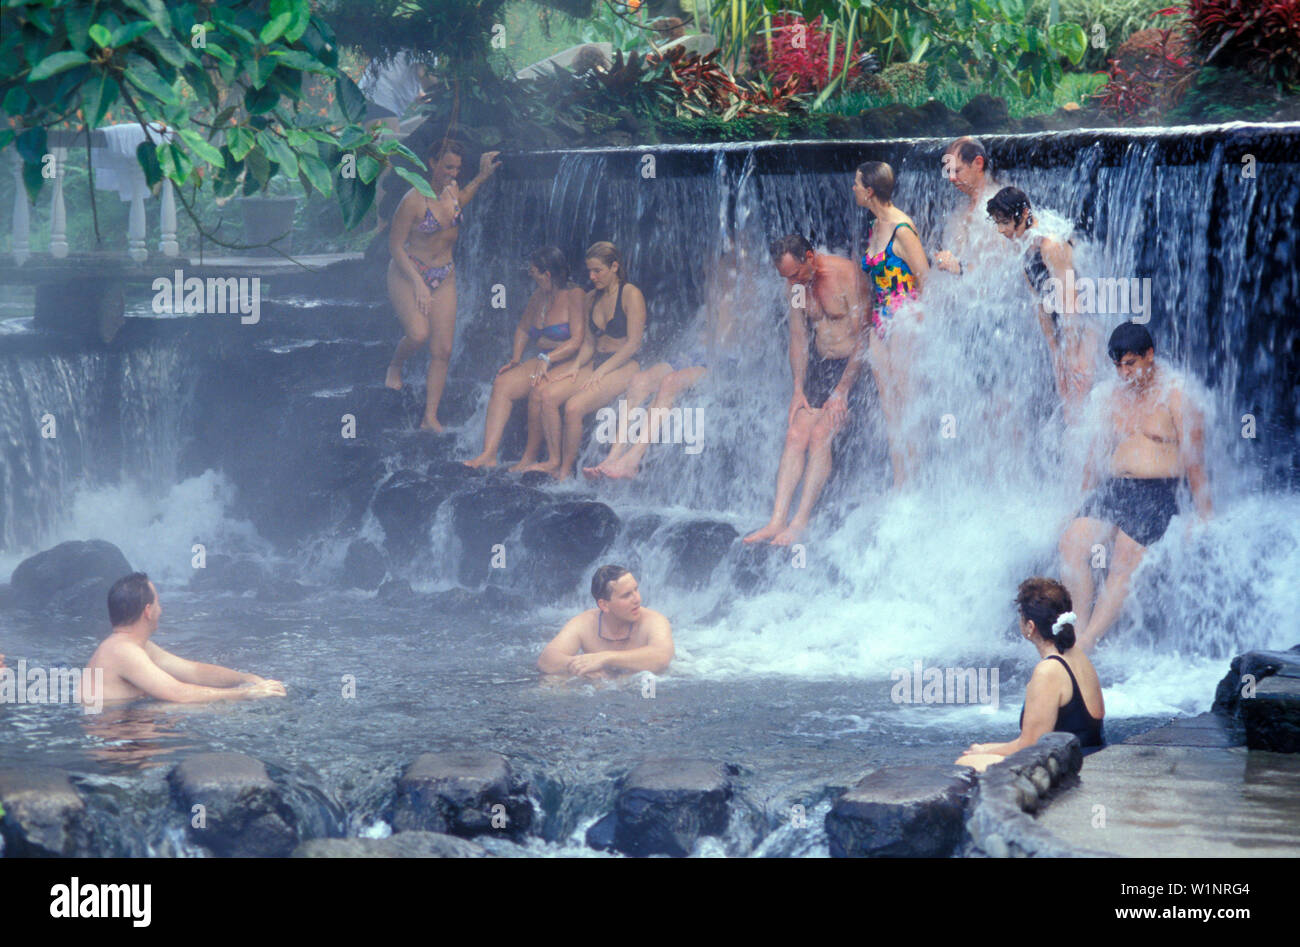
[1042, 601]
[443, 145]
[607, 253]
[128, 598]
[793, 244]
[1008, 204]
[550, 259]
[1129, 337]
[879, 177]
[605, 577]
[968, 149]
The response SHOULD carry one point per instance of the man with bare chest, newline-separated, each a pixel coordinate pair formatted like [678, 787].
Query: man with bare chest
[1152, 437]
[616, 637]
[831, 298]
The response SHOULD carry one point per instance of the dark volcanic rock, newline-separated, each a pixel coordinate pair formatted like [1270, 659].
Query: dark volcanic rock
[1261, 695]
[901, 812]
[402, 845]
[986, 113]
[560, 543]
[463, 793]
[664, 807]
[405, 505]
[697, 548]
[364, 565]
[244, 813]
[43, 814]
[71, 578]
[486, 516]
[229, 574]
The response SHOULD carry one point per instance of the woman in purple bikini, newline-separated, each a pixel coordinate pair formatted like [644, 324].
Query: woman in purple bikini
[422, 276]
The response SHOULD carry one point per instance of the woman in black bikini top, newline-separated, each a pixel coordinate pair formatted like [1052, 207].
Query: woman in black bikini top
[1053, 703]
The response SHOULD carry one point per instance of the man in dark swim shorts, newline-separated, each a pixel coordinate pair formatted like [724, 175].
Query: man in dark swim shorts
[830, 306]
[1151, 437]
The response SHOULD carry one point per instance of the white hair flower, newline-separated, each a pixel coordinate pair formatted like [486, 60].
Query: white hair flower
[1066, 618]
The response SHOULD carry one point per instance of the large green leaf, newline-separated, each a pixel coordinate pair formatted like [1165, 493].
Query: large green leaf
[202, 148]
[315, 171]
[417, 182]
[146, 153]
[240, 140]
[350, 98]
[53, 65]
[278, 150]
[97, 96]
[1069, 38]
[129, 33]
[144, 77]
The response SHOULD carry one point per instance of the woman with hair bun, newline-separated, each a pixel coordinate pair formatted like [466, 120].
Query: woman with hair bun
[1063, 689]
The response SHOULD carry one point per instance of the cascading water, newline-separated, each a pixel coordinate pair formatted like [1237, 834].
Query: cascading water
[795, 646]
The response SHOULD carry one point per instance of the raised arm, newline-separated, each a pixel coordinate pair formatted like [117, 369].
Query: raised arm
[487, 167]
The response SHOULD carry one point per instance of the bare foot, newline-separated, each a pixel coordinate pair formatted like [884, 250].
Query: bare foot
[593, 473]
[525, 463]
[393, 378]
[620, 472]
[543, 466]
[431, 424]
[790, 534]
[766, 533]
[558, 473]
[482, 460]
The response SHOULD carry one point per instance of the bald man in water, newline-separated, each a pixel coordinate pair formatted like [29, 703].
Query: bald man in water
[616, 637]
[135, 667]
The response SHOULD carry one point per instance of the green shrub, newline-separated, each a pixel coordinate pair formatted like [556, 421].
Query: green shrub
[1119, 19]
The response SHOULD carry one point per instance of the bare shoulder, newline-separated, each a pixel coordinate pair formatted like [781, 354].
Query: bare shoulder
[656, 621]
[1049, 670]
[632, 294]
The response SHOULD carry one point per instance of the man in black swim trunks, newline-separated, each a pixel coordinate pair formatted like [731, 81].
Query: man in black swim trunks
[831, 296]
[1148, 437]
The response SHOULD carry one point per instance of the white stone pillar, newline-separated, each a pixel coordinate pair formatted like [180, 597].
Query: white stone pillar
[167, 222]
[22, 214]
[135, 233]
[58, 213]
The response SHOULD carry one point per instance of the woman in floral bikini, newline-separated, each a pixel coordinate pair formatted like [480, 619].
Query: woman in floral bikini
[422, 276]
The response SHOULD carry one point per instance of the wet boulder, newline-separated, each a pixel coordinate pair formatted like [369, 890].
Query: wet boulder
[561, 543]
[402, 845]
[222, 573]
[463, 793]
[485, 516]
[1261, 695]
[43, 814]
[664, 807]
[405, 505]
[364, 566]
[696, 548]
[913, 811]
[244, 813]
[72, 578]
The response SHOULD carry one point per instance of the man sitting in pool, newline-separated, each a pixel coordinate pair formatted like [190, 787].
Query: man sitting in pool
[1149, 436]
[135, 667]
[615, 637]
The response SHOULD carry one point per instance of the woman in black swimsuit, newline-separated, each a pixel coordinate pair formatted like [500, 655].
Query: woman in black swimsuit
[1064, 686]
[1070, 337]
[554, 322]
[615, 325]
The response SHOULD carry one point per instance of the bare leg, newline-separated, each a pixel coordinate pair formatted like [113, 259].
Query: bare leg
[1125, 558]
[788, 474]
[550, 398]
[674, 384]
[414, 323]
[442, 315]
[642, 385]
[507, 388]
[816, 474]
[1076, 563]
[582, 404]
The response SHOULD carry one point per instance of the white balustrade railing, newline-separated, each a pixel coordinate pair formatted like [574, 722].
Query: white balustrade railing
[59, 144]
